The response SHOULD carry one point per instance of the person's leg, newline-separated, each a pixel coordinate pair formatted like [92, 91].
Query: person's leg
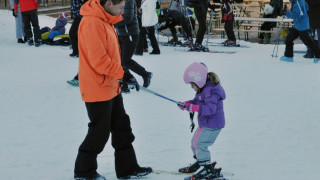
[201, 14]
[140, 44]
[304, 36]
[19, 25]
[186, 26]
[203, 138]
[309, 51]
[73, 33]
[292, 35]
[173, 31]
[153, 40]
[229, 30]
[206, 138]
[54, 33]
[27, 26]
[318, 35]
[100, 114]
[122, 139]
[76, 77]
[127, 49]
[35, 25]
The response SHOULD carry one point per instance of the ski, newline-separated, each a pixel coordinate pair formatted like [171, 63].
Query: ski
[209, 51]
[215, 175]
[300, 51]
[156, 171]
[225, 45]
[171, 44]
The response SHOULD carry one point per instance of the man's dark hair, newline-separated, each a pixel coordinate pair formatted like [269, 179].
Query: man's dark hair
[102, 2]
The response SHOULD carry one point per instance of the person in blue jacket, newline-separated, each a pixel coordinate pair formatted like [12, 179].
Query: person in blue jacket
[300, 28]
[59, 27]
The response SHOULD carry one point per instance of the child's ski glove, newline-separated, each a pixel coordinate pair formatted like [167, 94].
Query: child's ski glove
[184, 105]
[193, 108]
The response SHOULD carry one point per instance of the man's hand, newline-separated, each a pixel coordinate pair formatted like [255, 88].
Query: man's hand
[14, 13]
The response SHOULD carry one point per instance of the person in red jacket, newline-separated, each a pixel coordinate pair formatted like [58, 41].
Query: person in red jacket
[29, 15]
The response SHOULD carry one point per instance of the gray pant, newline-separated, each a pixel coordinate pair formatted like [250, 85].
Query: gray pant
[19, 25]
[202, 139]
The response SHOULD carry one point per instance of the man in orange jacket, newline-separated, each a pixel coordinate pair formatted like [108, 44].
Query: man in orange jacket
[100, 71]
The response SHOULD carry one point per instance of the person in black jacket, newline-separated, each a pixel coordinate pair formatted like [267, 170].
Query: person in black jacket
[314, 20]
[200, 10]
[272, 10]
[73, 32]
[128, 35]
[170, 19]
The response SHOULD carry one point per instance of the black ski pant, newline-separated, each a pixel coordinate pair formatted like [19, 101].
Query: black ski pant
[144, 38]
[228, 27]
[267, 26]
[76, 77]
[28, 18]
[105, 117]
[150, 32]
[306, 39]
[200, 11]
[73, 33]
[185, 25]
[128, 45]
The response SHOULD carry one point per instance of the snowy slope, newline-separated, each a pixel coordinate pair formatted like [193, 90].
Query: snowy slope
[272, 112]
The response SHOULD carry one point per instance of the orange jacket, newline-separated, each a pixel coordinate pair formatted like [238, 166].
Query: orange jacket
[99, 54]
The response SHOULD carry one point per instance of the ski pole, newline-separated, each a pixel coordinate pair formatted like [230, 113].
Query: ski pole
[159, 95]
[179, 103]
[209, 28]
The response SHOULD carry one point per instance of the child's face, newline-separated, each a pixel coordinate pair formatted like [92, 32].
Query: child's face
[195, 87]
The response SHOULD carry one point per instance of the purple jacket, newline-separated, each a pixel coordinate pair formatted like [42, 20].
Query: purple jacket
[60, 25]
[211, 114]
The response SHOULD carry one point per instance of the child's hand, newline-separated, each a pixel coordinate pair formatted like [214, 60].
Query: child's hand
[184, 105]
[193, 108]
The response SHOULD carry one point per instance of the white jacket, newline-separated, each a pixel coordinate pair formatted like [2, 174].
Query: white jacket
[149, 14]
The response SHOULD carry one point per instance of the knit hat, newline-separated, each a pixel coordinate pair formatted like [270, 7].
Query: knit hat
[64, 15]
[196, 73]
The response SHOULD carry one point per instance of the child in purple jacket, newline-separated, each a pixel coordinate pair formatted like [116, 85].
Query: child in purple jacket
[208, 102]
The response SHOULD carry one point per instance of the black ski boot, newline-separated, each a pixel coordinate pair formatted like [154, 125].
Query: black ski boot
[215, 174]
[199, 48]
[191, 168]
[95, 177]
[30, 41]
[206, 171]
[147, 79]
[141, 171]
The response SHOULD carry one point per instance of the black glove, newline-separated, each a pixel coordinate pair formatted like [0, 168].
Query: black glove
[13, 13]
[129, 82]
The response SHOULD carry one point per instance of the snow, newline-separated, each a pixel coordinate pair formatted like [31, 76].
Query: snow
[272, 112]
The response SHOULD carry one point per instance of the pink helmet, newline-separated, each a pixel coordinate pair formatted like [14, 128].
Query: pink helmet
[64, 15]
[196, 73]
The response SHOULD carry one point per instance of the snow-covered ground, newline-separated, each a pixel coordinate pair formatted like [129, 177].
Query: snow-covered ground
[272, 112]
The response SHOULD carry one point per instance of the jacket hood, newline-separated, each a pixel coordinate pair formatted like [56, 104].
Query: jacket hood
[218, 90]
[94, 8]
